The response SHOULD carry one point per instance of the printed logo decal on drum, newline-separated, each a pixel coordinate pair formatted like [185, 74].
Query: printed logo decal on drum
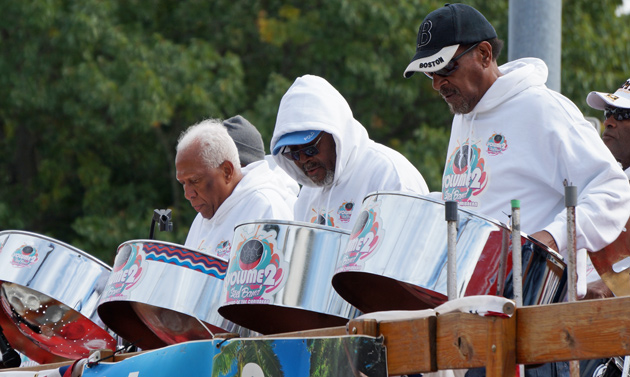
[223, 249]
[364, 238]
[465, 175]
[257, 269]
[496, 144]
[320, 219]
[345, 211]
[126, 273]
[24, 256]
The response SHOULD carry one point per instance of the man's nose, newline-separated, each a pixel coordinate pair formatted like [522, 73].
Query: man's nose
[303, 157]
[437, 82]
[189, 192]
[610, 122]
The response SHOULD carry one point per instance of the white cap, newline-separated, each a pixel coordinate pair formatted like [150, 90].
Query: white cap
[621, 98]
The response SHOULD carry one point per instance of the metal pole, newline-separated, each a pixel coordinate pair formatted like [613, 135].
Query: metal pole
[570, 201]
[535, 30]
[450, 208]
[517, 263]
[502, 262]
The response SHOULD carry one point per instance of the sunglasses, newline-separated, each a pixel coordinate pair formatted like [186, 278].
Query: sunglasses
[451, 66]
[309, 151]
[617, 113]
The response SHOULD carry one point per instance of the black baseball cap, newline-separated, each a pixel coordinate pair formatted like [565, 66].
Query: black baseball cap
[441, 33]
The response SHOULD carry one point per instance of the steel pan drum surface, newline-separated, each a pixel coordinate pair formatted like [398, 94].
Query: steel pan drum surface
[162, 293]
[49, 297]
[279, 277]
[613, 263]
[396, 257]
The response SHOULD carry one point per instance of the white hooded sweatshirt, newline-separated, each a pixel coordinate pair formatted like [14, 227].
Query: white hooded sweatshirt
[261, 194]
[524, 141]
[362, 166]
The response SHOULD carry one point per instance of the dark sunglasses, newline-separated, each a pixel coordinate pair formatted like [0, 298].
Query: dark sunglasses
[451, 66]
[309, 151]
[617, 113]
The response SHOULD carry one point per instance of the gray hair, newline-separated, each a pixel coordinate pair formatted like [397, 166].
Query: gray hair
[215, 143]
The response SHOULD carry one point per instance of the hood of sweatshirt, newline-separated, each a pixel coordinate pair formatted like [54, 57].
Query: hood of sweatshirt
[311, 103]
[523, 73]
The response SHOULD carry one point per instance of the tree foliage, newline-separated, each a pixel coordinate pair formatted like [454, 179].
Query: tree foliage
[95, 93]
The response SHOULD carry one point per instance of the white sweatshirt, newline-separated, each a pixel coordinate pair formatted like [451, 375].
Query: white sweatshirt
[262, 194]
[524, 141]
[362, 166]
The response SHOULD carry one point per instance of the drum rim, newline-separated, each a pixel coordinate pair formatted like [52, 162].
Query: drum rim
[60, 243]
[556, 254]
[302, 224]
[436, 201]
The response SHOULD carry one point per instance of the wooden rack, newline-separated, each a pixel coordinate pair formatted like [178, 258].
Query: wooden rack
[533, 335]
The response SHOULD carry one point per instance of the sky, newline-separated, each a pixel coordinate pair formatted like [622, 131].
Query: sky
[624, 8]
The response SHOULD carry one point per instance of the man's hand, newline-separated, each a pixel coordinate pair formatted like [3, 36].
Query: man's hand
[597, 289]
[546, 238]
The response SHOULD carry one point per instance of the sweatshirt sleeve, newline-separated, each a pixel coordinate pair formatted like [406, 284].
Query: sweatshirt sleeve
[603, 205]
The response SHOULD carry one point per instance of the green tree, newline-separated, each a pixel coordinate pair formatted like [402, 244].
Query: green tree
[239, 353]
[95, 93]
[91, 116]
[595, 54]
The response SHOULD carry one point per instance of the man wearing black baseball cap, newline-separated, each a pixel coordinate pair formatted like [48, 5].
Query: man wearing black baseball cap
[513, 138]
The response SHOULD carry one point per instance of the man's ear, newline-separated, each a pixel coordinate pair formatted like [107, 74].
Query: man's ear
[228, 171]
[485, 50]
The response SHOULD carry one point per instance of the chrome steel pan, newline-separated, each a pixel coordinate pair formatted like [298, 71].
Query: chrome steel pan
[396, 257]
[279, 277]
[49, 296]
[161, 293]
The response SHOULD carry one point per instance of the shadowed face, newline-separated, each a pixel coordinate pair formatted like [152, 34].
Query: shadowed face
[465, 86]
[319, 167]
[616, 136]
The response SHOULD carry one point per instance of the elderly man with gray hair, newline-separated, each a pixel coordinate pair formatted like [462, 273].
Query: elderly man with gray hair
[224, 194]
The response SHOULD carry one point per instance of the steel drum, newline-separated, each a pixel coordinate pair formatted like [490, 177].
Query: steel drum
[613, 263]
[279, 275]
[162, 293]
[49, 294]
[396, 257]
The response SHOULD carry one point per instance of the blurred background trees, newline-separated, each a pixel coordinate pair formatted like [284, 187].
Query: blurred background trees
[93, 94]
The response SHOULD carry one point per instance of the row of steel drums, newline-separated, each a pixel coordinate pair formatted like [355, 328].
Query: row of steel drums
[60, 303]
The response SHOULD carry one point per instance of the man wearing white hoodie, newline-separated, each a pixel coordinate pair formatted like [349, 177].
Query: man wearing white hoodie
[223, 193]
[513, 138]
[318, 142]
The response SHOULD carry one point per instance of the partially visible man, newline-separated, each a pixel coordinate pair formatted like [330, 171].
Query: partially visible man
[223, 194]
[616, 136]
[248, 140]
[318, 142]
[251, 149]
